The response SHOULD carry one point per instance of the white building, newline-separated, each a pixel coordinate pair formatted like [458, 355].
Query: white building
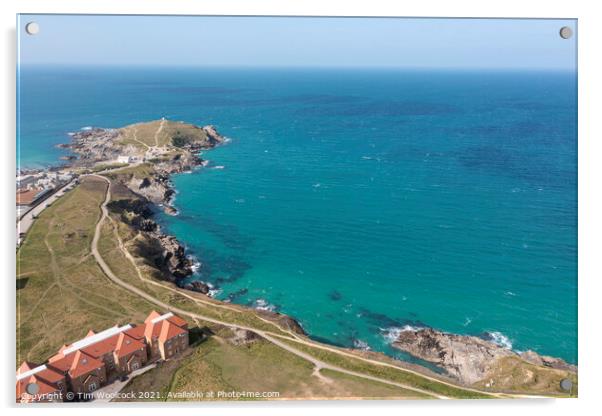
[24, 181]
[124, 159]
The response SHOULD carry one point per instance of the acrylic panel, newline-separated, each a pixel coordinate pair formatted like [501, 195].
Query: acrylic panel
[267, 208]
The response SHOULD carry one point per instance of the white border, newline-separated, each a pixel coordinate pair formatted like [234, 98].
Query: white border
[590, 209]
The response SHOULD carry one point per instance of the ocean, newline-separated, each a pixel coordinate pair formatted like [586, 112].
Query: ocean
[359, 201]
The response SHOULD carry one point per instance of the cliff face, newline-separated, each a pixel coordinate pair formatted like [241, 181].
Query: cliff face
[469, 359]
[161, 251]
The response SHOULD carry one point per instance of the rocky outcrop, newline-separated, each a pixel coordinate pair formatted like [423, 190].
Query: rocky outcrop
[152, 189]
[198, 286]
[546, 361]
[174, 258]
[165, 253]
[213, 136]
[94, 145]
[467, 358]
[284, 321]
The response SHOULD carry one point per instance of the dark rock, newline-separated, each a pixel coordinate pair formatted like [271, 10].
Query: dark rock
[174, 258]
[198, 286]
[284, 321]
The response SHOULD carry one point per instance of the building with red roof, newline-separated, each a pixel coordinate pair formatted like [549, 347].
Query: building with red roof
[166, 335]
[39, 383]
[100, 358]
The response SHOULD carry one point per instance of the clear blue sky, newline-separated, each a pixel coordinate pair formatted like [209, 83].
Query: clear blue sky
[279, 41]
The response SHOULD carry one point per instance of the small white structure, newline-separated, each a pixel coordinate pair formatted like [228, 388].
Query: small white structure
[124, 159]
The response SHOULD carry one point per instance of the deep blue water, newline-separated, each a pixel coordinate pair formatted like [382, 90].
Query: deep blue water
[361, 200]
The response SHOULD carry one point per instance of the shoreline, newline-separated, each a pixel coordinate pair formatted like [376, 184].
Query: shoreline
[156, 191]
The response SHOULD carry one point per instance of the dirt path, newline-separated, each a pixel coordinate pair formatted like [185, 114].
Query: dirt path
[159, 130]
[135, 138]
[266, 335]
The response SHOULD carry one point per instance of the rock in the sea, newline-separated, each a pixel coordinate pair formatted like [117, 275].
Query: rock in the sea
[198, 286]
[169, 210]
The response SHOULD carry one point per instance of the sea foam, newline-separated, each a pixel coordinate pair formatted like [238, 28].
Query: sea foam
[391, 334]
[500, 339]
[263, 305]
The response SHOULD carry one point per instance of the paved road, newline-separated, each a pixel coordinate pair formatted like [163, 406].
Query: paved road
[27, 219]
[25, 222]
[133, 289]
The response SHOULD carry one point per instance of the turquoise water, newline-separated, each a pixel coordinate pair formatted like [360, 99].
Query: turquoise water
[361, 201]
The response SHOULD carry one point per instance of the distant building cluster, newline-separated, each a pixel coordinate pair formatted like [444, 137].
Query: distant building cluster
[34, 187]
[101, 358]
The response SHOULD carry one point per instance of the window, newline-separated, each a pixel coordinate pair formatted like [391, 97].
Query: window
[92, 387]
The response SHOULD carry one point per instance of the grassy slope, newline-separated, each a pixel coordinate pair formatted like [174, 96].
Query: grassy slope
[514, 374]
[144, 135]
[62, 292]
[215, 365]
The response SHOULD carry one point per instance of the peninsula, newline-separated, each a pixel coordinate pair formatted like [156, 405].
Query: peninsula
[95, 257]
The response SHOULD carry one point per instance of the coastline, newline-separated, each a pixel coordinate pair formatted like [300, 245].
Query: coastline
[150, 181]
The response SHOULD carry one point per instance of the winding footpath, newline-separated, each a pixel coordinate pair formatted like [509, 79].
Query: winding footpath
[271, 337]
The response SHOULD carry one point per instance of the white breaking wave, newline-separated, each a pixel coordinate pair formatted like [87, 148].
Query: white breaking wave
[500, 339]
[196, 265]
[263, 305]
[214, 292]
[86, 128]
[361, 345]
[391, 334]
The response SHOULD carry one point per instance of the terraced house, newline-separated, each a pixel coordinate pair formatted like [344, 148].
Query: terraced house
[100, 358]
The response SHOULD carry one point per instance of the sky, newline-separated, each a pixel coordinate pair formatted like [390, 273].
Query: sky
[297, 41]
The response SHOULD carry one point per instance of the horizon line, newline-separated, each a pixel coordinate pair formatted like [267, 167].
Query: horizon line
[277, 66]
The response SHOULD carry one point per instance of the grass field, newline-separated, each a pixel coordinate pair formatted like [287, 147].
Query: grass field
[160, 133]
[217, 366]
[61, 291]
